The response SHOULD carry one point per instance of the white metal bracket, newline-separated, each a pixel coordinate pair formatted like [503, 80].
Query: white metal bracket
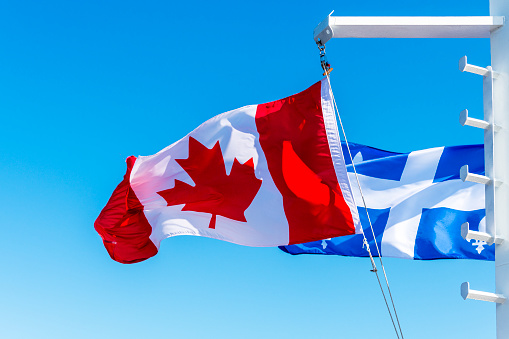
[467, 293]
[466, 120]
[464, 66]
[468, 234]
[465, 175]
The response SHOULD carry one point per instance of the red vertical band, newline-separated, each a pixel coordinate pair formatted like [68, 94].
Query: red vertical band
[294, 140]
[123, 226]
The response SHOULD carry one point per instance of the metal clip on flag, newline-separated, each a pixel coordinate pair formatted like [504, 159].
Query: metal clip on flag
[323, 59]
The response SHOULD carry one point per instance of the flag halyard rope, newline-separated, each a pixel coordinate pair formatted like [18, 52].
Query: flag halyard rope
[371, 227]
[327, 69]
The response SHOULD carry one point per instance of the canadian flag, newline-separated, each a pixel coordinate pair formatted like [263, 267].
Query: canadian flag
[262, 175]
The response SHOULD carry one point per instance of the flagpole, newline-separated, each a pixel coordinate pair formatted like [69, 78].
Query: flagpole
[499, 40]
[495, 123]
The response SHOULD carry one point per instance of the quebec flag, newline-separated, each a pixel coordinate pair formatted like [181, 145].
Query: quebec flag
[416, 202]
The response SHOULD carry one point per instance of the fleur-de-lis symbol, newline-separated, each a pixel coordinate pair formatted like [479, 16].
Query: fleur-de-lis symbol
[480, 245]
[324, 243]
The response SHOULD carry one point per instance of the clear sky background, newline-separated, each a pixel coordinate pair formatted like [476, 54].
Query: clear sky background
[85, 84]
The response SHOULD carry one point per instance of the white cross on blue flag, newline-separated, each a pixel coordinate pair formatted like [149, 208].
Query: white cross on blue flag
[417, 204]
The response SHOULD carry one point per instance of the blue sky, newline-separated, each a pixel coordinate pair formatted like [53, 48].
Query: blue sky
[85, 84]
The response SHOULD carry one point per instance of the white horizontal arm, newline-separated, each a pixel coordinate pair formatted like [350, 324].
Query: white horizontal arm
[467, 293]
[468, 234]
[465, 175]
[466, 120]
[406, 27]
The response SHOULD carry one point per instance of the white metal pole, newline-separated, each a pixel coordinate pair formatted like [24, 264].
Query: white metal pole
[500, 63]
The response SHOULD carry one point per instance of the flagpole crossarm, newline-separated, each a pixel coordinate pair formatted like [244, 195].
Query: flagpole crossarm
[467, 293]
[468, 234]
[407, 27]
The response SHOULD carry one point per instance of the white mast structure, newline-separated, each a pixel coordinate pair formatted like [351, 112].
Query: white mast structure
[495, 123]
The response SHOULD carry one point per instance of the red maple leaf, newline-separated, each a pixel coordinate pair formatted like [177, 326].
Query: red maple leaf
[214, 191]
